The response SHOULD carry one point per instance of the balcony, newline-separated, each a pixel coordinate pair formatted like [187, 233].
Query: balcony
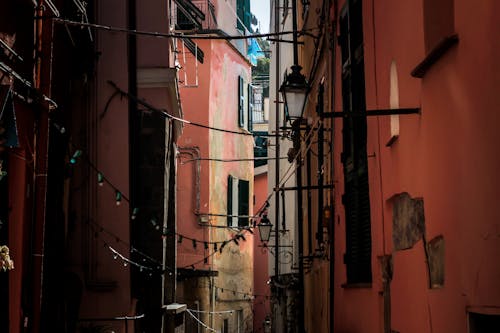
[194, 15]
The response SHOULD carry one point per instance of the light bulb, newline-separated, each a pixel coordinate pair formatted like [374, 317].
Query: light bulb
[118, 198]
[100, 179]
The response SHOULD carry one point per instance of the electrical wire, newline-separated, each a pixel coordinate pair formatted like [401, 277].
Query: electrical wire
[233, 159]
[36, 92]
[165, 35]
[166, 114]
[199, 321]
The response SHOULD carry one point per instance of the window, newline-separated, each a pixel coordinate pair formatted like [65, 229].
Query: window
[483, 323]
[244, 15]
[241, 102]
[238, 197]
[240, 321]
[225, 326]
[356, 198]
[260, 148]
[188, 15]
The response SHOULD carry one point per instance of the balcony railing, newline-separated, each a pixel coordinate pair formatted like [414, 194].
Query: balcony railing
[194, 15]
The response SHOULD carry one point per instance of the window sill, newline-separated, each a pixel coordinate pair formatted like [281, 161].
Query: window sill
[356, 285]
[434, 55]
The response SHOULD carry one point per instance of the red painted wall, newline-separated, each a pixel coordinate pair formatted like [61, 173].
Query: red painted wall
[18, 177]
[445, 155]
[195, 105]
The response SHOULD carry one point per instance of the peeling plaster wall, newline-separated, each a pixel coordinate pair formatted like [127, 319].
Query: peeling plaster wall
[235, 264]
[214, 102]
[408, 221]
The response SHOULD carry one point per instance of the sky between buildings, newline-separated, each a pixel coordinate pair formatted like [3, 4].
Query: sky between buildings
[260, 8]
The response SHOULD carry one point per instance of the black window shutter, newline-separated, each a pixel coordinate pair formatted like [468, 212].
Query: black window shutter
[241, 101]
[229, 200]
[243, 198]
[356, 198]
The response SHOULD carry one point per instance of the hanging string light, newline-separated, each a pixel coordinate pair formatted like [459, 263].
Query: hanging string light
[135, 211]
[75, 156]
[118, 197]
[126, 261]
[100, 179]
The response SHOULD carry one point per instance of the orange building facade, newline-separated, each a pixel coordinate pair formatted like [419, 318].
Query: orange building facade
[414, 232]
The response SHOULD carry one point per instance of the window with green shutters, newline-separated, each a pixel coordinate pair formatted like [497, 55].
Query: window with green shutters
[238, 197]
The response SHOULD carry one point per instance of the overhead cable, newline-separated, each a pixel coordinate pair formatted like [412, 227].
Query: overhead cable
[168, 35]
[168, 115]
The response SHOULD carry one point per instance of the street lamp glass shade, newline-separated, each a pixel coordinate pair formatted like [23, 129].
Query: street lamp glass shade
[295, 102]
[294, 90]
[265, 227]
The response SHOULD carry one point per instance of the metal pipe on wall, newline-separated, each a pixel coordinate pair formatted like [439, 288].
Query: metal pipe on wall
[333, 54]
[43, 37]
[300, 231]
[277, 163]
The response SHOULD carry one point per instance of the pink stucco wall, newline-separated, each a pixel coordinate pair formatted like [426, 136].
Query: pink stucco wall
[214, 103]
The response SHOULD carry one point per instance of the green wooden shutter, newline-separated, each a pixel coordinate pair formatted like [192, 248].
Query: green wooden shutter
[243, 198]
[229, 200]
[241, 102]
[250, 107]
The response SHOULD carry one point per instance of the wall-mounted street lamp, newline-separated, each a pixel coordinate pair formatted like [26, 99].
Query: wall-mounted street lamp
[295, 86]
[294, 90]
[265, 227]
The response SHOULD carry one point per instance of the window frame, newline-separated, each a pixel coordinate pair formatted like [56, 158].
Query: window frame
[241, 102]
[238, 202]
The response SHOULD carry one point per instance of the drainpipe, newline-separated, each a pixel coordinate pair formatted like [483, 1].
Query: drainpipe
[277, 164]
[300, 231]
[321, 162]
[309, 194]
[133, 128]
[43, 34]
[333, 64]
